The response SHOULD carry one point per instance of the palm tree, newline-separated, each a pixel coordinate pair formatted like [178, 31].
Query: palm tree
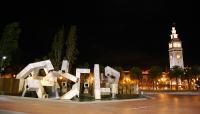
[176, 72]
[136, 73]
[154, 73]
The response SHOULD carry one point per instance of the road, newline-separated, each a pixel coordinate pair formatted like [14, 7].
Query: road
[158, 104]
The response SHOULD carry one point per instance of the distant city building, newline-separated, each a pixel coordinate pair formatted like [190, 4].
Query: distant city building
[175, 50]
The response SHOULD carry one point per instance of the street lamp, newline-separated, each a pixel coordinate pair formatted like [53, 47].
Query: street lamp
[2, 60]
[4, 57]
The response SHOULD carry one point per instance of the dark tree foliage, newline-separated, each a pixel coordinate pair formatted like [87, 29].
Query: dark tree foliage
[136, 73]
[57, 49]
[71, 43]
[9, 43]
[176, 72]
[154, 73]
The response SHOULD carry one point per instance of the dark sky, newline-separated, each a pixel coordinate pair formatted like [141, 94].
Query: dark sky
[110, 32]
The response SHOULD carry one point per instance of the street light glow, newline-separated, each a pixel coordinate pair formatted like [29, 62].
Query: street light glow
[4, 57]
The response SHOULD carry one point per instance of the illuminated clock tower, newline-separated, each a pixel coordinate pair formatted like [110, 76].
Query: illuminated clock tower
[175, 50]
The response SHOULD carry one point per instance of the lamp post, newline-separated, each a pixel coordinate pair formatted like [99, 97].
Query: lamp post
[2, 60]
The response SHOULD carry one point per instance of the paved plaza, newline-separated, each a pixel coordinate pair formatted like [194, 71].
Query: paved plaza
[156, 104]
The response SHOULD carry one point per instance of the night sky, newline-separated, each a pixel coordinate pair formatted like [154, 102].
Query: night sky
[112, 32]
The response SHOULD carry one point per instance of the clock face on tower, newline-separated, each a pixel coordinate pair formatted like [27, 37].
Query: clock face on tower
[178, 56]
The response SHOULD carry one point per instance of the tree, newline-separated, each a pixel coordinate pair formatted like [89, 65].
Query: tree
[197, 84]
[176, 72]
[72, 50]
[85, 65]
[101, 68]
[187, 76]
[195, 71]
[191, 73]
[154, 73]
[9, 42]
[57, 48]
[136, 73]
[119, 69]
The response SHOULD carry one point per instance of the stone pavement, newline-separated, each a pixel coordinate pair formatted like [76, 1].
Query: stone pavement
[159, 104]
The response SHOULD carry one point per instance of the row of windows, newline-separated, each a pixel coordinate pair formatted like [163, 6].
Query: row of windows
[175, 44]
[178, 56]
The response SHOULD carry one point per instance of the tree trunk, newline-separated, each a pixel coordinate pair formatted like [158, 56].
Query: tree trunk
[156, 85]
[188, 80]
[177, 84]
[171, 85]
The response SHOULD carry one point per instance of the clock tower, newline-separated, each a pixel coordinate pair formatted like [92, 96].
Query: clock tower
[175, 50]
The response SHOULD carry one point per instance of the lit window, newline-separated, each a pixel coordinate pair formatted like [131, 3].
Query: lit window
[175, 36]
[170, 45]
[176, 44]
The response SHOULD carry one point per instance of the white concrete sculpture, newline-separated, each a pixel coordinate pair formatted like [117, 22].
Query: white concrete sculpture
[65, 66]
[114, 85]
[34, 67]
[76, 87]
[79, 71]
[97, 89]
[112, 72]
[36, 83]
[74, 91]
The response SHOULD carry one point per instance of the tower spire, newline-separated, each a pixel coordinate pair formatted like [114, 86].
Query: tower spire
[174, 35]
[173, 24]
